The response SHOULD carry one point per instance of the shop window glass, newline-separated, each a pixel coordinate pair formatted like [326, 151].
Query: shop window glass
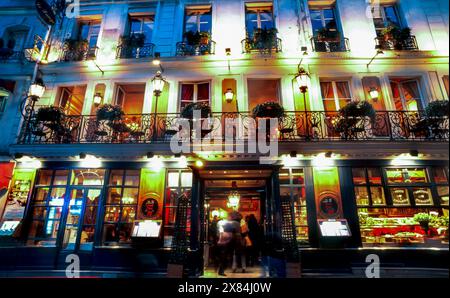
[422, 196]
[366, 190]
[179, 183]
[121, 207]
[406, 175]
[88, 177]
[44, 177]
[377, 195]
[443, 195]
[440, 175]
[359, 176]
[292, 186]
[362, 196]
[400, 196]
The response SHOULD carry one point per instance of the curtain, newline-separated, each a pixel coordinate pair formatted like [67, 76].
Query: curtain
[396, 94]
[343, 90]
[187, 92]
[412, 95]
[327, 90]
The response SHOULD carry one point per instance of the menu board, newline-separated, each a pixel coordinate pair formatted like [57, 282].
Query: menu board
[334, 228]
[147, 229]
[8, 228]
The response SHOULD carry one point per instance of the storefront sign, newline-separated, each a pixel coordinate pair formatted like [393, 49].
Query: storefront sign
[151, 194]
[45, 12]
[328, 193]
[149, 207]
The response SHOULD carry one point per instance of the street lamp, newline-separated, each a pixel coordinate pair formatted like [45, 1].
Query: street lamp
[302, 78]
[158, 84]
[36, 91]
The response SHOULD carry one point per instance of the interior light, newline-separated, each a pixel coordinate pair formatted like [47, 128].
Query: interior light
[155, 164]
[199, 164]
[289, 161]
[89, 161]
[404, 159]
[28, 162]
[322, 161]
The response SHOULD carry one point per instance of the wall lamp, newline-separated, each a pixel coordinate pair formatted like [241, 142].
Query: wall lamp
[98, 98]
[374, 94]
[229, 95]
[157, 60]
[228, 53]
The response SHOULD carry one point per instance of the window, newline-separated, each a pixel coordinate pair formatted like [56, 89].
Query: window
[142, 25]
[197, 20]
[179, 182]
[323, 18]
[263, 90]
[195, 92]
[335, 94]
[393, 220]
[15, 38]
[3, 97]
[121, 206]
[258, 16]
[131, 98]
[89, 31]
[292, 186]
[78, 192]
[71, 99]
[385, 16]
[406, 94]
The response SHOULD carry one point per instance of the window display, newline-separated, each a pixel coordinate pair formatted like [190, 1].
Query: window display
[121, 206]
[417, 219]
[292, 184]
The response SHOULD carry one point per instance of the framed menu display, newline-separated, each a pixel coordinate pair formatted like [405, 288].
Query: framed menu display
[147, 228]
[334, 228]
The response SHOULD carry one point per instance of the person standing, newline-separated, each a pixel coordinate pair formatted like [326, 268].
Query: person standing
[225, 228]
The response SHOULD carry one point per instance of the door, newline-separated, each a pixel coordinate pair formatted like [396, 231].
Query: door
[81, 220]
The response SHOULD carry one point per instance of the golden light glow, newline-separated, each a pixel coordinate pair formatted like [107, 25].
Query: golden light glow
[199, 164]
[90, 162]
[27, 162]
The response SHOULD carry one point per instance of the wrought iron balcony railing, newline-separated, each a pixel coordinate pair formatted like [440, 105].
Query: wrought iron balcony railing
[186, 49]
[132, 52]
[250, 45]
[80, 54]
[407, 44]
[294, 127]
[330, 45]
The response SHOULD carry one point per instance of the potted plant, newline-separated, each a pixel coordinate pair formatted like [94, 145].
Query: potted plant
[352, 118]
[110, 113]
[424, 221]
[397, 36]
[327, 35]
[188, 110]
[51, 117]
[192, 38]
[205, 37]
[436, 113]
[264, 39]
[136, 40]
[268, 110]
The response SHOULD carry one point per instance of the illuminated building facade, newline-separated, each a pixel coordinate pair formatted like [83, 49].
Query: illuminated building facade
[79, 180]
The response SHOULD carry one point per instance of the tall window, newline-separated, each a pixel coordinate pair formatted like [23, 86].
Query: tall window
[131, 98]
[263, 90]
[323, 18]
[446, 85]
[197, 20]
[195, 92]
[259, 16]
[385, 16]
[399, 207]
[335, 94]
[3, 98]
[76, 191]
[71, 99]
[179, 182]
[89, 31]
[121, 206]
[292, 185]
[142, 25]
[406, 93]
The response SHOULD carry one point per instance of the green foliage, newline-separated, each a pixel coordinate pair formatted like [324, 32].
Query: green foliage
[188, 110]
[50, 114]
[422, 218]
[438, 108]
[136, 40]
[109, 112]
[358, 109]
[268, 110]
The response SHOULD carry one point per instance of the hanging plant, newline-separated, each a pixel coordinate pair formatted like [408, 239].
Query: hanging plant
[357, 109]
[437, 109]
[268, 110]
[50, 114]
[108, 112]
[188, 110]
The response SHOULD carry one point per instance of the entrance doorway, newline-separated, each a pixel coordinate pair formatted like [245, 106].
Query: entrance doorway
[234, 223]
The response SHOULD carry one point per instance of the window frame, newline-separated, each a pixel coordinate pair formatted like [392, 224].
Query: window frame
[142, 20]
[258, 8]
[195, 94]
[336, 98]
[322, 17]
[197, 15]
[382, 11]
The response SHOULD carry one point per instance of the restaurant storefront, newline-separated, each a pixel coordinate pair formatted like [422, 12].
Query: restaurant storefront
[123, 216]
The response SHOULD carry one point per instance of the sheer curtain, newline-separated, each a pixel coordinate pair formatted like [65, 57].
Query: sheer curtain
[412, 95]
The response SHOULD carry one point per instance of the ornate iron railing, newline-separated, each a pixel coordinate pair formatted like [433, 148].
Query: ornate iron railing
[314, 126]
[130, 52]
[250, 45]
[407, 44]
[76, 55]
[186, 49]
[330, 45]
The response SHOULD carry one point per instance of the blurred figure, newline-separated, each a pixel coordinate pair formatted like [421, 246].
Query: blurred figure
[213, 238]
[225, 228]
[237, 245]
[254, 233]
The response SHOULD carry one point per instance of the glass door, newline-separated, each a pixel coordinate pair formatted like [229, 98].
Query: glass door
[81, 219]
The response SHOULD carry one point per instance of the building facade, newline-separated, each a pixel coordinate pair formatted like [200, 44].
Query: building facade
[81, 181]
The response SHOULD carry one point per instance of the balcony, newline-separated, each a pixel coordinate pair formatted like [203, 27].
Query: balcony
[391, 126]
[329, 45]
[77, 50]
[135, 52]
[408, 43]
[185, 48]
[264, 41]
